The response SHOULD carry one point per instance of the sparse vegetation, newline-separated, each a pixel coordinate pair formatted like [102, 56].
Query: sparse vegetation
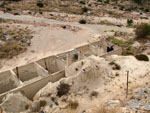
[138, 1]
[15, 41]
[40, 4]
[73, 104]
[105, 22]
[103, 109]
[85, 9]
[94, 94]
[115, 66]
[129, 22]
[82, 21]
[99, 0]
[121, 8]
[142, 57]
[128, 52]
[107, 1]
[143, 31]
[82, 2]
[63, 89]
[42, 103]
[11, 49]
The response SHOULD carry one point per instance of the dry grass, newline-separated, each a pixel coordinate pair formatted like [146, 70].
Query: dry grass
[15, 40]
[71, 111]
[101, 107]
[104, 109]
[73, 104]
[10, 50]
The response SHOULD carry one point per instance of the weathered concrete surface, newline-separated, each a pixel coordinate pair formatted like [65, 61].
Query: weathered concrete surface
[7, 82]
[15, 103]
[26, 72]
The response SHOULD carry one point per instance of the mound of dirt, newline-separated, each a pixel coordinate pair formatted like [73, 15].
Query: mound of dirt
[92, 80]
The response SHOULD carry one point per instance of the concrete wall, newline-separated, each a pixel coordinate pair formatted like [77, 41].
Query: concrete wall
[50, 62]
[83, 49]
[96, 50]
[32, 77]
[60, 64]
[29, 90]
[26, 72]
[53, 63]
[7, 81]
[102, 43]
[41, 71]
[117, 51]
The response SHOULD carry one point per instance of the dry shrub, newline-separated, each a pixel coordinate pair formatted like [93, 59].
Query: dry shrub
[142, 57]
[143, 31]
[94, 94]
[42, 103]
[11, 49]
[115, 66]
[103, 109]
[63, 89]
[71, 111]
[73, 104]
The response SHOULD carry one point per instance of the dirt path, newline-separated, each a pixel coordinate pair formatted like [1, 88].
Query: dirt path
[50, 40]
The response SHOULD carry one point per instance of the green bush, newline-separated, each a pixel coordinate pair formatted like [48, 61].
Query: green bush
[129, 22]
[40, 4]
[8, 9]
[85, 9]
[82, 2]
[143, 31]
[138, 1]
[107, 1]
[82, 21]
[117, 42]
[142, 57]
[121, 7]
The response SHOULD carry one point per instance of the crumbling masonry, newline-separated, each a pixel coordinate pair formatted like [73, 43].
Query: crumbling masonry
[30, 78]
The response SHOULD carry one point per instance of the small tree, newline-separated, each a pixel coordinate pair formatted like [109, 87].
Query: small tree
[143, 31]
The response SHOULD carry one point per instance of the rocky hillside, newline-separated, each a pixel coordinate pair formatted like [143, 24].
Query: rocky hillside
[92, 85]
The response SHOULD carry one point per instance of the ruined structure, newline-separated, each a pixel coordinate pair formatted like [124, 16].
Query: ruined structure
[30, 78]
